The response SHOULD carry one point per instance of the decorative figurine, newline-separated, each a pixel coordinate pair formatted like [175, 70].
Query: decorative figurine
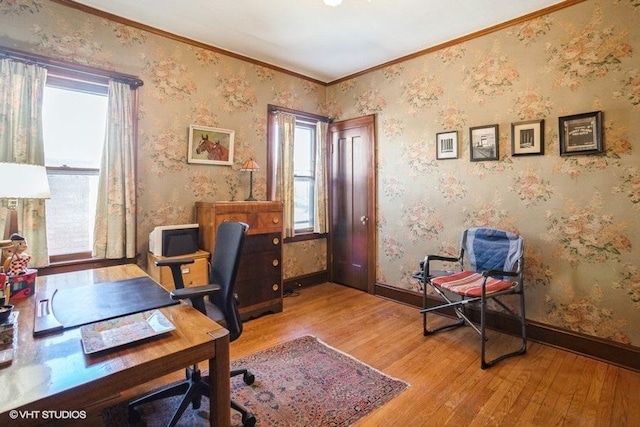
[16, 260]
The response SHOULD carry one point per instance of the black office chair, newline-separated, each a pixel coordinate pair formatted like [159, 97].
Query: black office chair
[221, 305]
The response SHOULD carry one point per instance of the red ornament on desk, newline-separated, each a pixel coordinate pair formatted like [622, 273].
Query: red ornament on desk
[16, 260]
[22, 279]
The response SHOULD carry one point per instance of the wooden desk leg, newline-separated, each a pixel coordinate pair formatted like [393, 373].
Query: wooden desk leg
[220, 384]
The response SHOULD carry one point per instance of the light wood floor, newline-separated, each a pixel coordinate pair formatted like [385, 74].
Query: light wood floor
[545, 387]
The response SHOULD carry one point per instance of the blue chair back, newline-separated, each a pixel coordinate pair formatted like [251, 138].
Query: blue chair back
[492, 249]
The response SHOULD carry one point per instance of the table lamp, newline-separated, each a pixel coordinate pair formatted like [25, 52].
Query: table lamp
[21, 181]
[251, 166]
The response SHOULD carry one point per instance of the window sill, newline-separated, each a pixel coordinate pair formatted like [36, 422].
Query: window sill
[81, 264]
[305, 236]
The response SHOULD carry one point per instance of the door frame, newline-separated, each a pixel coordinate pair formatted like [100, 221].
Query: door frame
[369, 122]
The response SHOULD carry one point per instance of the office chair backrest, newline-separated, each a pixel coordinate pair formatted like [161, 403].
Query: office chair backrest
[492, 249]
[224, 268]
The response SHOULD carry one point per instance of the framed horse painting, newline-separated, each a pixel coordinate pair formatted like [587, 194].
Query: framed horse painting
[210, 146]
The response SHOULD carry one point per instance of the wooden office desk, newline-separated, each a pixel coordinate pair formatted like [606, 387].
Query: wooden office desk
[52, 373]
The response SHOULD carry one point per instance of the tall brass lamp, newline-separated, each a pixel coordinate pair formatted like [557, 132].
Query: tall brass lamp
[250, 166]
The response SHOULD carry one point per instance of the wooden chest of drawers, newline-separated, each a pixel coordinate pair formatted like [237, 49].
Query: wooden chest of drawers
[259, 280]
[193, 274]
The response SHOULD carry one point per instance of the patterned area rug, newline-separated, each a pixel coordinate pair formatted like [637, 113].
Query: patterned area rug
[302, 382]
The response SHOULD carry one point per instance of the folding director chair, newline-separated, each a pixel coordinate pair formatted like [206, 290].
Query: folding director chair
[491, 264]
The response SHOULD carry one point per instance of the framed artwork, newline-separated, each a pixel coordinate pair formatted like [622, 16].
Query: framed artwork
[483, 143]
[210, 146]
[527, 138]
[447, 145]
[581, 134]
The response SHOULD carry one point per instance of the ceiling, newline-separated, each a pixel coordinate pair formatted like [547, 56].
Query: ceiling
[318, 41]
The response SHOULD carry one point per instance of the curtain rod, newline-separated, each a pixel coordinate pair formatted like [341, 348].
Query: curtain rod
[273, 109]
[55, 64]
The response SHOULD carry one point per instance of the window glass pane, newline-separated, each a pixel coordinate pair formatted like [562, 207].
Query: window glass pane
[303, 164]
[303, 206]
[71, 212]
[303, 151]
[74, 127]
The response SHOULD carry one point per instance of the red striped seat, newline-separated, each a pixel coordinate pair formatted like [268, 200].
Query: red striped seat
[469, 284]
[486, 250]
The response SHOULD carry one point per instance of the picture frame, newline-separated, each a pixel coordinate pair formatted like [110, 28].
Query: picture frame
[581, 134]
[484, 143]
[527, 138]
[210, 146]
[447, 145]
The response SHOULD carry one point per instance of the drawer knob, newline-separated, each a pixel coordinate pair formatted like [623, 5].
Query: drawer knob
[276, 240]
[275, 287]
[275, 262]
[276, 220]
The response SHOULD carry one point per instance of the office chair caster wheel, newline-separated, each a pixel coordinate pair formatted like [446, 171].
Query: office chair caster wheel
[248, 378]
[248, 420]
[134, 416]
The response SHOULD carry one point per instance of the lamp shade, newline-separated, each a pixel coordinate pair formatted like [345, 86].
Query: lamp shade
[23, 181]
[250, 166]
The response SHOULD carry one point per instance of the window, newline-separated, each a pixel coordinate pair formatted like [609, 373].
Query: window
[304, 149]
[303, 172]
[74, 120]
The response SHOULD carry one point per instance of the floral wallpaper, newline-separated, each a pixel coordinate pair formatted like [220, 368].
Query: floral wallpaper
[183, 85]
[578, 214]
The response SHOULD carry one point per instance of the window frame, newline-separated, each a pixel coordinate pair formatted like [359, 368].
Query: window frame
[309, 119]
[308, 124]
[69, 80]
[81, 73]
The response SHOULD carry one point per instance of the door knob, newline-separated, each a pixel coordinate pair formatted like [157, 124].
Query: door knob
[364, 219]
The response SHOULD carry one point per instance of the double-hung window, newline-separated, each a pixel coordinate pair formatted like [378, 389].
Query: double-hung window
[74, 120]
[304, 157]
[297, 169]
[85, 112]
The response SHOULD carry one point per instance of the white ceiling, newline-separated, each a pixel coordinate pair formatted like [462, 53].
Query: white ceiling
[321, 42]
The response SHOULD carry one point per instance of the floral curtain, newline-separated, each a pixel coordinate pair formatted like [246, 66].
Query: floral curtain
[115, 226]
[320, 205]
[286, 125]
[21, 141]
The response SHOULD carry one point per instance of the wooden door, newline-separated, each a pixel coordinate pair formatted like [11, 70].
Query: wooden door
[352, 203]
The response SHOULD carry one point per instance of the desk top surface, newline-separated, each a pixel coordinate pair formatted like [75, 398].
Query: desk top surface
[53, 373]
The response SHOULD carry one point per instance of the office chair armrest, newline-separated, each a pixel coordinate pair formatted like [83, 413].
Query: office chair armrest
[175, 261]
[194, 291]
[175, 265]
